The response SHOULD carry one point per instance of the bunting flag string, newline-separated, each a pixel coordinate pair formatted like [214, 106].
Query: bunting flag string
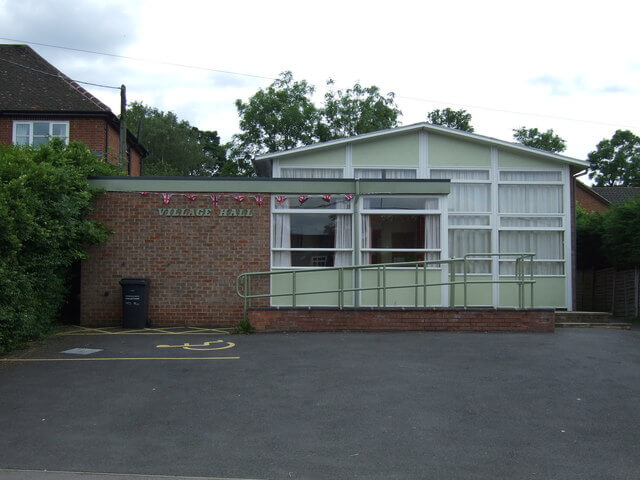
[259, 199]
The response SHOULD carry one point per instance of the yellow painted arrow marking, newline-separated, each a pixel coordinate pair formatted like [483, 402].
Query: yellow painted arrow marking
[202, 346]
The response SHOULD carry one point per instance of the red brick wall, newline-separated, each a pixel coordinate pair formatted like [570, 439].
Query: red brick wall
[298, 319]
[192, 262]
[589, 201]
[6, 132]
[96, 133]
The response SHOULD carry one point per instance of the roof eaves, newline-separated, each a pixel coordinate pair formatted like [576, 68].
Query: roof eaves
[433, 128]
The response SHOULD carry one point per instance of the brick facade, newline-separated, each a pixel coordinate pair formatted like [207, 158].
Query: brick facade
[192, 262]
[323, 319]
[589, 200]
[95, 132]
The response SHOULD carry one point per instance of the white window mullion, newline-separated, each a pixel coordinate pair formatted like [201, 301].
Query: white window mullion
[495, 239]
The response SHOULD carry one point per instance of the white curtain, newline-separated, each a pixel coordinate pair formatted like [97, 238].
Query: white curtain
[401, 174]
[530, 221]
[432, 236]
[390, 173]
[468, 220]
[311, 173]
[462, 242]
[282, 237]
[365, 237]
[530, 198]
[367, 173]
[460, 174]
[470, 197]
[549, 176]
[343, 240]
[546, 246]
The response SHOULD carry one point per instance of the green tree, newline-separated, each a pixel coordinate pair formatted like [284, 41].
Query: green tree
[621, 233]
[283, 116]
[532, 137]
[616, 161]
[458, 119]
[280, 117]
[175, 147]
[44, 202]
[355, 111]
[589, 242]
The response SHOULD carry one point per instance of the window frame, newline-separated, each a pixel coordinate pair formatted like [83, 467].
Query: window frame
[275, 211]
[31, 123]
[415, 212]
[556, 215]
[485, 214]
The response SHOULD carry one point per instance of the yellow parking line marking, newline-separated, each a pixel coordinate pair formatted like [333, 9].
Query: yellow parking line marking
[88, 330]
[111, 358]
[145, 331]
[137, 475]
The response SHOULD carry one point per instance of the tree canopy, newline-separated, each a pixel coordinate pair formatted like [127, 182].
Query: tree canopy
[175, 147]
[458, 119]
[532, 137]
[284, 116]
[280, 117]
[616, 161]
[356, 111]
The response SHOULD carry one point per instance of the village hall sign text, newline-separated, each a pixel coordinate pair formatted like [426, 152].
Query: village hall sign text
[205, 212]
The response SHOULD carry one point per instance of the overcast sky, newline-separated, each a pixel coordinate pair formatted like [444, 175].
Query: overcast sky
[571, 66]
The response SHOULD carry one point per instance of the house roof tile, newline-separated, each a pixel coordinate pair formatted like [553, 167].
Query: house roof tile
[617, 194]
[30, 83]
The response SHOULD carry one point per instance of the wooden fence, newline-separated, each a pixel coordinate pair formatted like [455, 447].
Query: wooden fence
[609, 290]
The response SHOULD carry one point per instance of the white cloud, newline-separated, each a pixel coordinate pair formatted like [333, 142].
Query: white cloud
[551, 60]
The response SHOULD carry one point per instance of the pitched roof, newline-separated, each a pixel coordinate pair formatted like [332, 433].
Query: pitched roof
[617, 194]
[29, 83]
[428, 127]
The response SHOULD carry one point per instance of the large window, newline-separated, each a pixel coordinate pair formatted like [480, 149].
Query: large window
[531, 212]
[469, 215]
[314, 232]
[39, 133]
[400, 229]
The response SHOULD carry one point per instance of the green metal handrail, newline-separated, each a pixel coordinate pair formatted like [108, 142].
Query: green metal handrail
[244, 280]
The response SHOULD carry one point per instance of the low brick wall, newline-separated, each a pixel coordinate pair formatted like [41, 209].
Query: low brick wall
[325, 319]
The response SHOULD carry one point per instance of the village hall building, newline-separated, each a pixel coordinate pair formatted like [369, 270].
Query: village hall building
[351, 233]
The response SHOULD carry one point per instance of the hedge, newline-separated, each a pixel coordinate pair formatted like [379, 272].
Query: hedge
[44, 202]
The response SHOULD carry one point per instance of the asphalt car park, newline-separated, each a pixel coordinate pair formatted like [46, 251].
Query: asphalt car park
[206, 403]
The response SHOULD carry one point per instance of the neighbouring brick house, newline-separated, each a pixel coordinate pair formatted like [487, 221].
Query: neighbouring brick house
[38, 102]
[591, 200]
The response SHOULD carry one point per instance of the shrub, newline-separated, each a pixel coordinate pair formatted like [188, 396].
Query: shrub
[44, 202]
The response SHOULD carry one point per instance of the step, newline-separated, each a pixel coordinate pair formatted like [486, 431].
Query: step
[584, 317]
[612, 325]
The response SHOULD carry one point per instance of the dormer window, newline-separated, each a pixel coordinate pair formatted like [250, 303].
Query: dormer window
[39, 133]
